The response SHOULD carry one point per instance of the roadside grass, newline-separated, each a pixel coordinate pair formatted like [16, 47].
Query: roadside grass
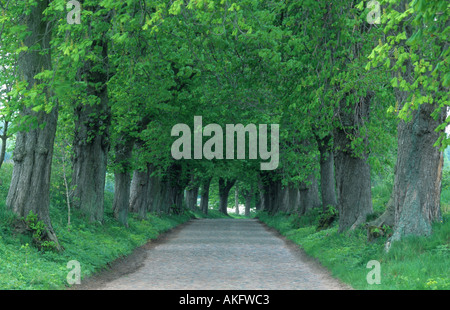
[94, 245]
[415, 263]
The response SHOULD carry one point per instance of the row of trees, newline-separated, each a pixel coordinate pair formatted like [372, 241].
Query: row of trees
[106, 92]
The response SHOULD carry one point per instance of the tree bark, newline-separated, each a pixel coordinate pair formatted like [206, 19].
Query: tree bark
[270, 192]
[291, 199]
[417, 183]
[205, 196]
[155, 191]
[327, 178]
[248, 200]
[30, 183]
[192, 193]
[388, 216]
[352, 170]
[91, 141]
[122, 179]
[225, 186]
[4, 138]
[139, 191]
[172, 185]
[418, 171]
[309, 195]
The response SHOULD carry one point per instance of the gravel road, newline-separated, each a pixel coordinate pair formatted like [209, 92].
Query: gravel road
[217, 254]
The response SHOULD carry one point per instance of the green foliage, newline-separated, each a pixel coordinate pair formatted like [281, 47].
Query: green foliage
[417, 54]
[39, 232]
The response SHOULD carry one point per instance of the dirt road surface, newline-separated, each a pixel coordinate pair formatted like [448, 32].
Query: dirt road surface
[216, 254]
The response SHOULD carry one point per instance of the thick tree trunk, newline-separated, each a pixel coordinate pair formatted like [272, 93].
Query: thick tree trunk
[30, 183]
[139, 191]
[352, 171]
[270, 192]
[155, 192]
[327, 178]
[122, 180]
[172, 185]
[91, 141]
[418, 171]
[291, 199]
[205, 196]
[192, 194]
[309, 195]
[293, 203]
[224, 190]
[417, 183]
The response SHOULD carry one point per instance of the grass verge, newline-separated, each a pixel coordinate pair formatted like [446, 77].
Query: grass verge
[93, 245]
[416, 263]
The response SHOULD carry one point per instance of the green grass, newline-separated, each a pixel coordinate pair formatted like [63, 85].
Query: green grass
[416, 263]
[94, 245]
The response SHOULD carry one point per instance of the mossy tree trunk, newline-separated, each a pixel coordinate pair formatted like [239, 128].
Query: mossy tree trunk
[30, 183]
[417, 183]
[352, 167]
[122, 179]
[91, 140]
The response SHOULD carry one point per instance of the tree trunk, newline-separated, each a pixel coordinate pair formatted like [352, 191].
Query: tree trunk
[224, 189]
[139, 191]
[257, 196]
[192, 193]
[4, 138]
[388, 216]
[327, 178]
[248, 200]
[172, 187]
[417, 183]
[155, 191]
[270, 192]
[30, 183]
[418, 171]
[205, 196]
[309, 195]
[91, 141]
[236, 199]
[122, 180]
[352, 170]
[292, 199]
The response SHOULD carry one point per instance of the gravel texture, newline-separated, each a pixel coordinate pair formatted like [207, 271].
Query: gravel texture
[217, 254]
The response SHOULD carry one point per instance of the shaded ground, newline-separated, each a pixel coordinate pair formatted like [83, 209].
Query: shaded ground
[216, 254]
